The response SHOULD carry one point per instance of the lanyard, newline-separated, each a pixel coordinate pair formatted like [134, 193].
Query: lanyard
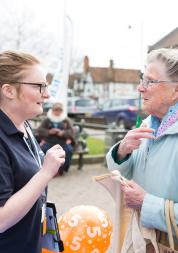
[36, 156]
[35, 152]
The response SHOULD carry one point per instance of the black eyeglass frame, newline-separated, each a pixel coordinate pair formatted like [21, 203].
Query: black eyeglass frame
[146, 83]
[43, 86]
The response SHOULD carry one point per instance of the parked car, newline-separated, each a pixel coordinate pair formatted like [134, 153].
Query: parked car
[121, 110]
[81, 106]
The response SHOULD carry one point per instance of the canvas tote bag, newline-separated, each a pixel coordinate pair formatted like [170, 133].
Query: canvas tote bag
[139, 239]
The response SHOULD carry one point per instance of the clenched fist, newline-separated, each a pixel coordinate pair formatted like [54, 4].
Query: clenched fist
[54, 159]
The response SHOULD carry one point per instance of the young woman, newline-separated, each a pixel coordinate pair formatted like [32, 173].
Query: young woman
[24, 170]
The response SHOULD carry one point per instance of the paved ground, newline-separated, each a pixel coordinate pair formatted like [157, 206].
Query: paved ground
[78, 187]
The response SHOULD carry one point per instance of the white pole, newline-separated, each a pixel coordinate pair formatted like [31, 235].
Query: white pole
[59, 86]
[66, 60]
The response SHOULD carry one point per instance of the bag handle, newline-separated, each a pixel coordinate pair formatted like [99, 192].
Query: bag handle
[172, 217]
[170, 221]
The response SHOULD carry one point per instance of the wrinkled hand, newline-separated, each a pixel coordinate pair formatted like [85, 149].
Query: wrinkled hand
[133, 195]
[132, 140]
[54, 158]
[68, 141]
[60, 132]
[53, 131]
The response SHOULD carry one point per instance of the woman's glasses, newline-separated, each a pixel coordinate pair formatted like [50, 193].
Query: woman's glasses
[42, 86]
[147, 83]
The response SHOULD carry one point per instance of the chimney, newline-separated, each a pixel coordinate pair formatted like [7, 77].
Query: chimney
[111, 63]
[110, 74]
[49, 78]
[86, 65]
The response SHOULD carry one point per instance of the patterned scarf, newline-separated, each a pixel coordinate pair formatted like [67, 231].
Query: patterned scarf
[168, 120]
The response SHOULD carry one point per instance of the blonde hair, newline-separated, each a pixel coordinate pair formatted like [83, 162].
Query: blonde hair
[169, 57]
[12, 64]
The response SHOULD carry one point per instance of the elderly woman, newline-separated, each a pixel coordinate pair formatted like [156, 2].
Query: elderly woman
[149, 155]
[56, 128]
[24, 170]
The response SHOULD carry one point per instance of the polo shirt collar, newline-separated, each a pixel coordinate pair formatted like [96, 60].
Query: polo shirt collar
[7, 125]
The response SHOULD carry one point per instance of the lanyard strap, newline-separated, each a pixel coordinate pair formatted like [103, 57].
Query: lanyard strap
[35, 151]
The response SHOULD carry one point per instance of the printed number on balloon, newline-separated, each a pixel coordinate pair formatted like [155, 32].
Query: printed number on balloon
[104, 222]
[95, 251]
[93, 231]
[75, 245]
[73, 222]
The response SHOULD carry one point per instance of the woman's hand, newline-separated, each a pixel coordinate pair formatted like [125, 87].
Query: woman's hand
[133, 195]
[60, 133]
[132, 140]
[54, 158]
[53, 131]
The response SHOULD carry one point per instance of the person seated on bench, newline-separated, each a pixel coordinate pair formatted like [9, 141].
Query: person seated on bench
[57, 129]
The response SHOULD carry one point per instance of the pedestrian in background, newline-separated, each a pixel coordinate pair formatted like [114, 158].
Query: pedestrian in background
[56, 128]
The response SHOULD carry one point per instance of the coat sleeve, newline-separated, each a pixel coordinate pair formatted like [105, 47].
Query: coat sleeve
[69, 130]
[125, 168]
[42, 130]
[152, 212]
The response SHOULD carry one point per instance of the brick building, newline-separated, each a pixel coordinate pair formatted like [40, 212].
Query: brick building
[103, 82]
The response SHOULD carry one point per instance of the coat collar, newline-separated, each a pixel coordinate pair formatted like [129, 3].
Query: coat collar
[173, 129]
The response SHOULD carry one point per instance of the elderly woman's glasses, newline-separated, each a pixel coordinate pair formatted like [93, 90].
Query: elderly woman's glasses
[42, 86]
[146, 83]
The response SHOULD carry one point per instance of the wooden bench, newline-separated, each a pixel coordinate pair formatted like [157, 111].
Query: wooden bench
[80, 148]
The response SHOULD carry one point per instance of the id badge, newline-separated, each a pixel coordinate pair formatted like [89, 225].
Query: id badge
[43, 219]
[43, 212]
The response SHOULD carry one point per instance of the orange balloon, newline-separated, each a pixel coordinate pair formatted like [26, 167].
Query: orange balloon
[46, 251]
[85, 229]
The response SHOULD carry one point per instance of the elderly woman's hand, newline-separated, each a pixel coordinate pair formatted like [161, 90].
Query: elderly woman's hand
[133, 194]
[132, 140]
[53, 131]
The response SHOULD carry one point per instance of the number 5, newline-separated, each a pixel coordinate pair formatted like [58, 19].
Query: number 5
[75, 243]
[93, 231]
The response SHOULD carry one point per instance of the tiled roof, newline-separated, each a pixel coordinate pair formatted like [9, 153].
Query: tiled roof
[106, 75]
[170, 40]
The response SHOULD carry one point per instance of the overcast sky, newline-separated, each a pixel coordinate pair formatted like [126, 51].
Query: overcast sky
[105, 29]
[120, 29]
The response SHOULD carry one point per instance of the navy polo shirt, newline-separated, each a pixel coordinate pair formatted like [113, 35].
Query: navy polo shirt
[17, 167]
